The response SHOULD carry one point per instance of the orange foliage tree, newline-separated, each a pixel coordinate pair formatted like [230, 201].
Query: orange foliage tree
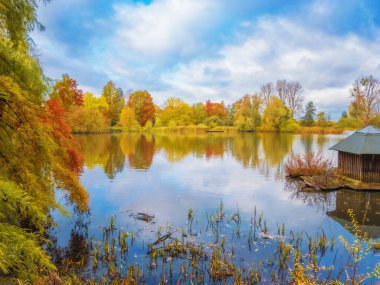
[67, 91]
[216, 109]
[141, 103]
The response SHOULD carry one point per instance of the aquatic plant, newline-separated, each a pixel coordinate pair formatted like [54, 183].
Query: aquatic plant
[181, 255]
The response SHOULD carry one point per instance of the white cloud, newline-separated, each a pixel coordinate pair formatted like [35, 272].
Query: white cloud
[277, 48]
[164, 27]
[168, 48]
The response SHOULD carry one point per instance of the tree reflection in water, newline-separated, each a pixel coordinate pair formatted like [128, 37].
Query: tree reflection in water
[77, 252]
[322, 201]
[262, 151]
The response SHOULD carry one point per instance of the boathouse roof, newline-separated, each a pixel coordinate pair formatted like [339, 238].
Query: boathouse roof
[364, 141]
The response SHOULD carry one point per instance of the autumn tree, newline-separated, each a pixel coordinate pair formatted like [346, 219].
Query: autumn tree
[216, 109]
[275, 115]
[66, 90]
[323, 120]
[247, 112]
[141, 103]
[128, 119]
[115, 100]
[176, 112]
[366, 98]
[92, 116]
[37, 155]
[96, 103]
[198, 113]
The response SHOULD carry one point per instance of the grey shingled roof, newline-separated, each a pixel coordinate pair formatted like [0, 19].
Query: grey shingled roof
[364, 141]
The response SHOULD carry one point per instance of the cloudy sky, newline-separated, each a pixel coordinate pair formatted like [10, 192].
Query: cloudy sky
[212, 49]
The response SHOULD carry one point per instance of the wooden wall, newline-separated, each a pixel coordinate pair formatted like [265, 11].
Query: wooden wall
[350, 165]
[365, 168]
[371, 168]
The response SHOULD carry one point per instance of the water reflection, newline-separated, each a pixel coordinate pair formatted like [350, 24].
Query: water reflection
[139, 150]
[357, 201]
[322, 201]
[102, 150]
[75, 254]
[196, 172]
[258, 151]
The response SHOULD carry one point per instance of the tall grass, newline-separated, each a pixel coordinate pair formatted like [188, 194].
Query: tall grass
[320, 130]
[308, 164]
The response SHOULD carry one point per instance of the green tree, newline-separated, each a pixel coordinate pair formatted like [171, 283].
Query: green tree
[115, 100]
[308, 118]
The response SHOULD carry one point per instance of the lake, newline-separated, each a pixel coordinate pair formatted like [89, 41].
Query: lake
[163, 176]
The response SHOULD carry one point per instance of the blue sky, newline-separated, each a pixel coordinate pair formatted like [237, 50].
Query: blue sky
[212, 49]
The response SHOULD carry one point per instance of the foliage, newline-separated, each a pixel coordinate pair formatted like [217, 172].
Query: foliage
[96, 103]
[141, 103]
[36, 151]
[359, 248]
[308, 118]
[87, 120]
[17, 18]
[349, 123]
[247, 113]
[216, 109]
[323, 120]
[365, 92]
[67, 92]
[176, 110]
[274, 115]
[214, 121]
[115, 100]
[128, 119]
[198, 113]
[290, 126]
[376, 120]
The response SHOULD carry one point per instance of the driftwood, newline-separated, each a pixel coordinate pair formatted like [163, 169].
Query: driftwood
[143, 217]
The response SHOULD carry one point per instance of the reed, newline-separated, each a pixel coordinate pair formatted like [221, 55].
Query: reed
[308, 164]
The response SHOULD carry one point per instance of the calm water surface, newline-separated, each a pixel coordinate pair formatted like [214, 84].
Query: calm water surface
[165, 175]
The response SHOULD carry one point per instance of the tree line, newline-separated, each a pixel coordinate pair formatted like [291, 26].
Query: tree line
[275, 107]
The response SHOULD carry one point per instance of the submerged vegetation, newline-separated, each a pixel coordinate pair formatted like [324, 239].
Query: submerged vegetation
[227, 247]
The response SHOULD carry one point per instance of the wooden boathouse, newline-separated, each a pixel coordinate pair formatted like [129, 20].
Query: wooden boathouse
[359, 155]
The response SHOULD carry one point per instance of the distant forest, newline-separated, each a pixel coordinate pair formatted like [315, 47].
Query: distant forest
[277, 107]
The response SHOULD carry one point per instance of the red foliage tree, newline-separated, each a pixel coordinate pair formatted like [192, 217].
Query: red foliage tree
[68, 92]
[216, 109]
[55, 120]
